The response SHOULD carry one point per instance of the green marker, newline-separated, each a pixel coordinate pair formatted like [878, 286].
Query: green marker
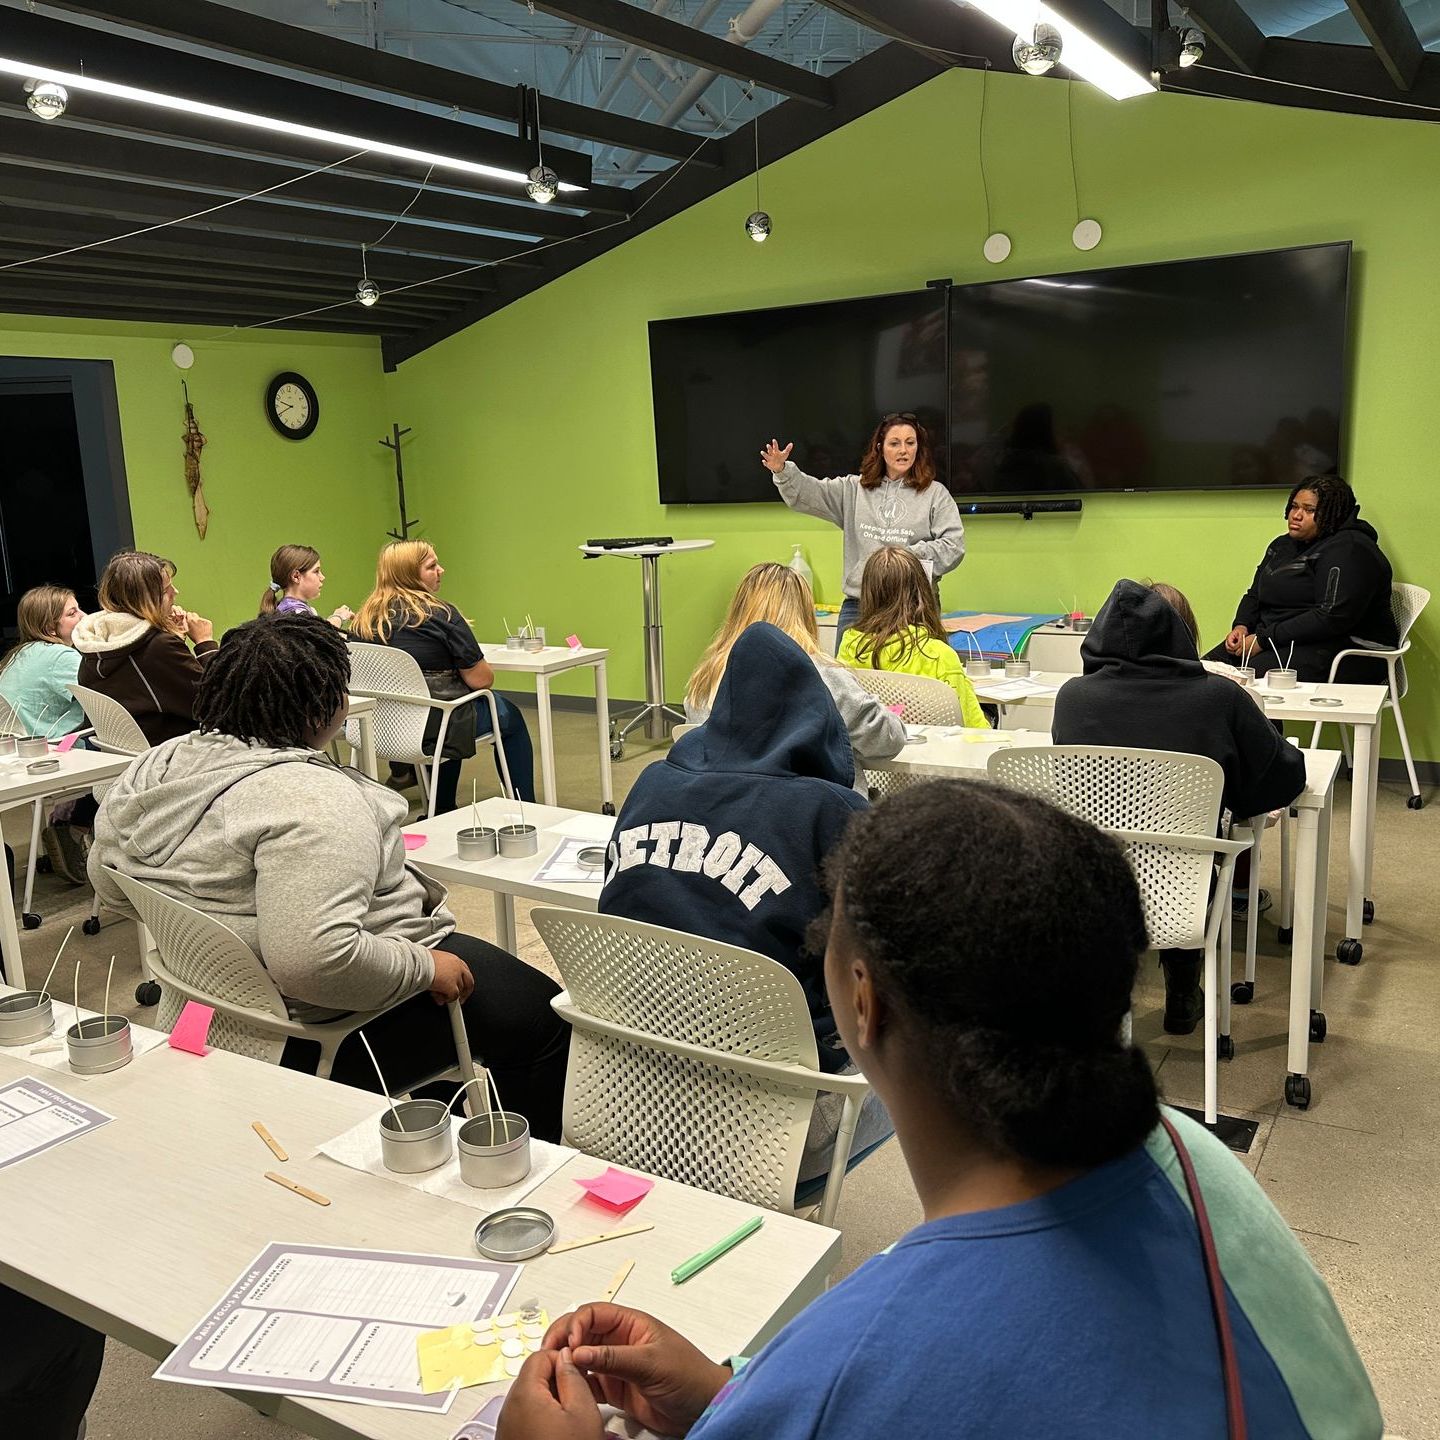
[696, 1263]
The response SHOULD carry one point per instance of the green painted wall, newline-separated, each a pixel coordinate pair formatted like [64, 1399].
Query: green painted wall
[334, 491]
[533, 428]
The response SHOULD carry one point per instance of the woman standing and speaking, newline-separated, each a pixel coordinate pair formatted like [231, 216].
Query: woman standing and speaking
[894, 500]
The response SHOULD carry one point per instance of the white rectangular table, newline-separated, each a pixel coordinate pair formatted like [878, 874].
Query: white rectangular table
[509, 878]
[950, 751]
[362, 712]
[78, 768]
[175, 1187]
[1360, 707]
[543, 665]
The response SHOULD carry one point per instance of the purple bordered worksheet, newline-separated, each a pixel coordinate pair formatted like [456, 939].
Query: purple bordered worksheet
[326, 1323]
[35, 1116]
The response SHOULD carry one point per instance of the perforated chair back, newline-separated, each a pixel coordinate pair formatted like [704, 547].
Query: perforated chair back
[1406, 603]
[117, 732]
[926, 701]
[688, 1058]
[201, 959]
[398, 724]
[1152, 791]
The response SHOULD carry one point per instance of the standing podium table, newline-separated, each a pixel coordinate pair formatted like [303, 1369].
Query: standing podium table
[654, 713]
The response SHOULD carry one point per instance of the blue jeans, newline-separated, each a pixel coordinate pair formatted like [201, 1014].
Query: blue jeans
[849, 614]
[519, 755]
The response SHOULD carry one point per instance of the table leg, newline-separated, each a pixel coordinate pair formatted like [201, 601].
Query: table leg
[1302, 955]
[1321, 906]
[602, 722]
[10, 939]
[1362, 820]
[505, 921]
[1372, 791]
[547, 738]
[364, 723]
[1287, 871]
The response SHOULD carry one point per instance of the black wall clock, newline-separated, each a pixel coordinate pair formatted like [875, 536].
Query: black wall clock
[292, 405]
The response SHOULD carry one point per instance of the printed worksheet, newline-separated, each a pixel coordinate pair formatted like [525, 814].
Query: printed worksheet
[564, 867]
[35, 1117]
[336, 1324]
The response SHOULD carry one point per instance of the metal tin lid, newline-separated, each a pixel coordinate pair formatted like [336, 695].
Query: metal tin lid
[519, 1233]
[43, 767]
[1330, 701]
[592, 857]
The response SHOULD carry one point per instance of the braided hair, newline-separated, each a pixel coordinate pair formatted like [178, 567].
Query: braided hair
[1334, 502]
[1005, 933]
[276, 681]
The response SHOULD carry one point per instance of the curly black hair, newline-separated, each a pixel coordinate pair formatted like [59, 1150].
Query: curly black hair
[276, 681]
[1334, 502]
[1006, 935]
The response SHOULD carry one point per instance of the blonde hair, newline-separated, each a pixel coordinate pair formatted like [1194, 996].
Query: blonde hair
[134, 583]
[397, 589]
[37, 617]
[769, 592]
[283, 564]
[896, 600]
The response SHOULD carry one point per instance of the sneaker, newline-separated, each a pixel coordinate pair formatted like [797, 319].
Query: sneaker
[1240, 903]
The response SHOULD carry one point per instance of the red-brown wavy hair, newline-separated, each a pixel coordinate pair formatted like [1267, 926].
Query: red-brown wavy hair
[872, 463]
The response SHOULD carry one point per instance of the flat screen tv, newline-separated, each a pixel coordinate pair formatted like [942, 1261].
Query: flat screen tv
[1224, 373]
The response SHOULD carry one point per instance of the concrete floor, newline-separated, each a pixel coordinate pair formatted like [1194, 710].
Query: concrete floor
[1356, 1175]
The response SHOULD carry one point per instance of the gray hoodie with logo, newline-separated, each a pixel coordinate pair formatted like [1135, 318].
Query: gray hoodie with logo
[304, 860]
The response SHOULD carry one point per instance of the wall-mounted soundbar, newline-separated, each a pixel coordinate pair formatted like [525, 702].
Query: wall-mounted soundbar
[1026, 509]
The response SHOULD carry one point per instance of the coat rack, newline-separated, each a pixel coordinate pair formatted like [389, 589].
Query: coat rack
[403, 533]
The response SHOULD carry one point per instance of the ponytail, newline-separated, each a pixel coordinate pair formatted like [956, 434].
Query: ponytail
[283, 564]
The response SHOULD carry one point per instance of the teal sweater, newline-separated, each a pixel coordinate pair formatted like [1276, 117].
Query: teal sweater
[34, 681]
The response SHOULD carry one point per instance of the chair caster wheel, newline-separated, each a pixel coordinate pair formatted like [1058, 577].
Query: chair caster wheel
[147, 993]
[607, 808]
[1415, 802]
[1297, 1091]
[1367, 912]
[1285, 934]
[30, 920]
[1349, 952]
[1317, 1026]
[43, 865]
[1224, 1047]
[91, 925]
[617, 749]
[1242, 992]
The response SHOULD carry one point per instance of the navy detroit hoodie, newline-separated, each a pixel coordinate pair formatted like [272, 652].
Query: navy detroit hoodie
[726, 836]
[1145, 687]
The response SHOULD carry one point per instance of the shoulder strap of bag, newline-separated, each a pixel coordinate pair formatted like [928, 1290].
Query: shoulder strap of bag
[1230, 1366]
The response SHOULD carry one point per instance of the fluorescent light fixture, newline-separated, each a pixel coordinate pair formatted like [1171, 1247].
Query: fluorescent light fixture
[80, 83]
[1082, 55]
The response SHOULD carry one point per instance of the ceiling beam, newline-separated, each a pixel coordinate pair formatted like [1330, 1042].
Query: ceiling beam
[56, 146]
[1388, 29]
[24, 303]
[651, 31]
[64, 299]
[68, 46]
[1229, 27]
[228, 28]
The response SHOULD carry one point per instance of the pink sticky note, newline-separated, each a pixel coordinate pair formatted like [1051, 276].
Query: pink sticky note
[617, 1189]
[573, 641]
[898, 708]
[66, 743]
[413, 842]
[192, 1027]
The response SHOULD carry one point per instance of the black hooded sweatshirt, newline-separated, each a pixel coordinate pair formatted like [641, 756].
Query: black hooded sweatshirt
[1321, 595]
[1144, 686]
[726, 837]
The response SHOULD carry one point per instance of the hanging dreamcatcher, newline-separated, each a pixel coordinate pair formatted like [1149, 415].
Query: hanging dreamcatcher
[194, 444]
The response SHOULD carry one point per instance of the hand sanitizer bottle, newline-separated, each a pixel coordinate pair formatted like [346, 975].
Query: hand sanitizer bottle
[798, 565]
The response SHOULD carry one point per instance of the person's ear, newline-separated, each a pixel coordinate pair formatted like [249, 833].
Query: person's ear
[866, 1004]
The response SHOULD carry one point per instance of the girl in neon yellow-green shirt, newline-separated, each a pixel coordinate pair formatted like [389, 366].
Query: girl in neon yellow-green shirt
[899, 628]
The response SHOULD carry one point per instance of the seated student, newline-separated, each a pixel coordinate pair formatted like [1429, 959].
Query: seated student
[1322, 587]
[296, 579]
[1057, 1289]
[402, 611]
[34, 681]
[248, 821]
[1145, 686]
[49, 1366]
[899, 629]
[772, 766]
[133, 649]
[777, 595]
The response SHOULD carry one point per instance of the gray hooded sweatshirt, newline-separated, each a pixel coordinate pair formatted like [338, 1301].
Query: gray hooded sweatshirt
[925, 522]
[302, 859]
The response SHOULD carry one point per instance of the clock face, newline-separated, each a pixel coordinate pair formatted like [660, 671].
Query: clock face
[292, 405]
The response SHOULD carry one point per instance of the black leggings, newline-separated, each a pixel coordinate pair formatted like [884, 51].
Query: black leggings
[513, 1032]
[49, 1365]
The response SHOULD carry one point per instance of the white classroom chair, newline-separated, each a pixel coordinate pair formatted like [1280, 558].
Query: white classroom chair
[926, 702]
[402, 706]
[1164, 809]
[201, 959]
[691, 1059]
[676, 731]
[1406, 603]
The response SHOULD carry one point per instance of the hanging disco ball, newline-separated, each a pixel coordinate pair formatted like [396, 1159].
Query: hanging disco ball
[758, 227]
[47, 99]
[1039, 53]
[1192, 47]
[542, 184]
[367, 292]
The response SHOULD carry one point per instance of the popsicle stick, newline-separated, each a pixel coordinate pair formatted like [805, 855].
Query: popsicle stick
[596, 1239]
[309, 1194]
[269, 1139]
[619, 1278]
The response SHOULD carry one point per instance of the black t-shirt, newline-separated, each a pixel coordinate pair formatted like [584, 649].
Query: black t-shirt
[442, 641]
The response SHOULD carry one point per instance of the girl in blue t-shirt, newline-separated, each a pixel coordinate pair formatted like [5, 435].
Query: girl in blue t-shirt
[296, 580]
[980, 955]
